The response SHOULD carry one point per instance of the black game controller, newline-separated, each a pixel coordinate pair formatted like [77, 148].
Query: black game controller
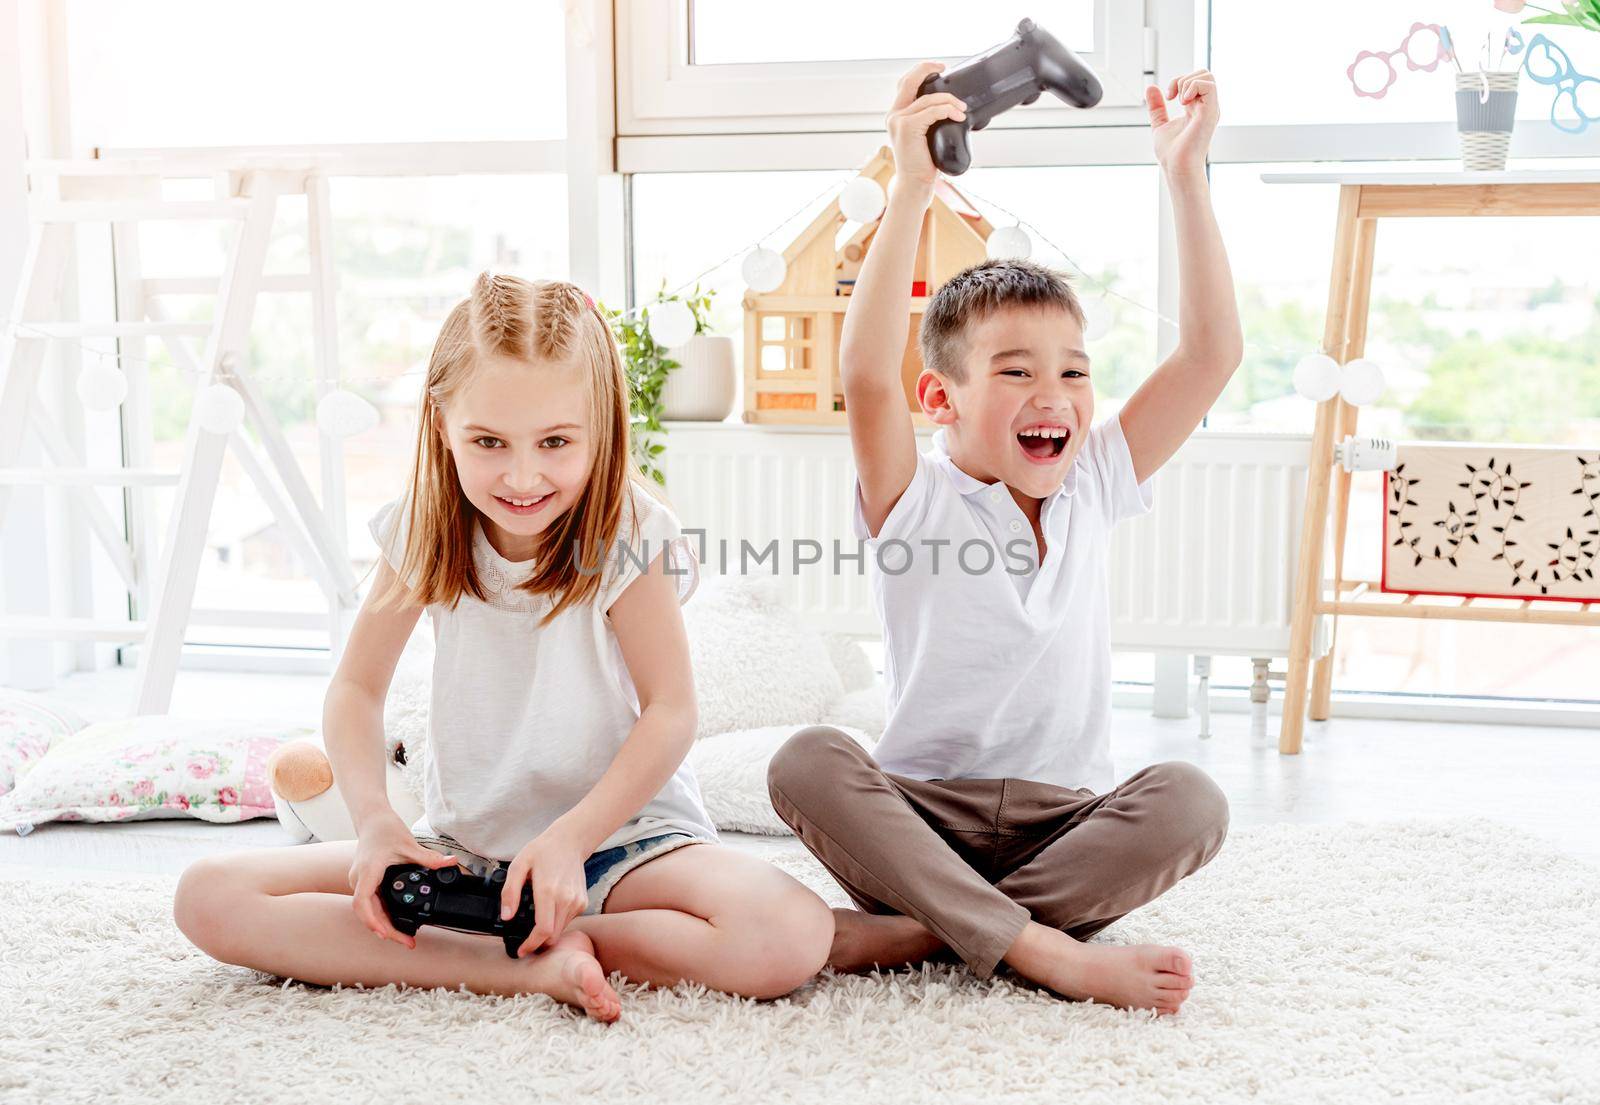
[1012, 73]
[454, 898]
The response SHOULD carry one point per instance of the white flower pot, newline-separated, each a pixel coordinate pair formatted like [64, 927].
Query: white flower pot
[701, 388]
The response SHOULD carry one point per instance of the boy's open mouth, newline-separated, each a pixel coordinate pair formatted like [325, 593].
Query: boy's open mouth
[1044, 444]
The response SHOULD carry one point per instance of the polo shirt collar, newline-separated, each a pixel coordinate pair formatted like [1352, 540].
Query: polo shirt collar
[971, 485]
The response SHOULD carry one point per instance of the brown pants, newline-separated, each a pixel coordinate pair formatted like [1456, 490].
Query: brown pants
[974, 860]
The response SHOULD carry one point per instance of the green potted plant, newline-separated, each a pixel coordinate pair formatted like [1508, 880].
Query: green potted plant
[1574, 13]
[649, 365]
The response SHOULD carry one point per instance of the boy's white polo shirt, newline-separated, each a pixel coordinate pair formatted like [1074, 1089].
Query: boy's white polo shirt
[995, 673]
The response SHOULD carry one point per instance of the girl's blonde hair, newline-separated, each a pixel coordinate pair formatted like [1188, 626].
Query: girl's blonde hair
[535, 322]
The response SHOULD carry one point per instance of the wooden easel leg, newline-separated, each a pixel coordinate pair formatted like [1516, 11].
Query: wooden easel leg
[1307, 584]
[1322, 677]
[1355, 345]
[1313, 529]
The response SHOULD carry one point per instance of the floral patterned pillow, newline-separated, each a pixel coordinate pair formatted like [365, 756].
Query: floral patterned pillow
[29, 725]
[149, 767]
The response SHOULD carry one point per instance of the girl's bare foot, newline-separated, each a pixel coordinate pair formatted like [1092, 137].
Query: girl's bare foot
[862, 941]
[569, 972]
[1144, 976]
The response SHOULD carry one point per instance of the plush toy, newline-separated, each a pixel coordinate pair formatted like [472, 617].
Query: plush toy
[308, 803]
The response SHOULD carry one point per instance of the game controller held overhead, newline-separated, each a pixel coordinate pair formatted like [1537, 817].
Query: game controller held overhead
[1015, 72]
[454, 898]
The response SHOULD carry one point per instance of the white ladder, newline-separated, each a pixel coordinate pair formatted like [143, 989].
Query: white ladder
[125, 193]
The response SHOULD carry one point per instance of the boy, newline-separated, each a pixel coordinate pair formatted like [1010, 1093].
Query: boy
[987, 822]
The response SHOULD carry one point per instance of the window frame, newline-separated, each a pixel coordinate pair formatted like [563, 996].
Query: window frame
[661, 92]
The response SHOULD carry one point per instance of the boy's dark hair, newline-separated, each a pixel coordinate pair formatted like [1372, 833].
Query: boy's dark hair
[974, 294]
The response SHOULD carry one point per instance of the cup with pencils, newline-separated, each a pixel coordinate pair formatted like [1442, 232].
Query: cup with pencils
[1486, 109]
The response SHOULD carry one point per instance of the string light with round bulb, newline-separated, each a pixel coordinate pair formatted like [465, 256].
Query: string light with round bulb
[763, 269]
[862, 200]
[102, 387]
[1096, 317]
[1008, 243]
[1317, 377]
[1361, 383]
[671, 323]
[342, 413]
[219, 409]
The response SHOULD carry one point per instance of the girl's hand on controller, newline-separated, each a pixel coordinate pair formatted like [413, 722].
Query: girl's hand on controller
[1182, 142]
[911, 116]
[554, 867]
[385, 843]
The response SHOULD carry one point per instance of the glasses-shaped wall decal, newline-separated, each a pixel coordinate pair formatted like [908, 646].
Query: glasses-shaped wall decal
[1424, 47]
[1547, 63]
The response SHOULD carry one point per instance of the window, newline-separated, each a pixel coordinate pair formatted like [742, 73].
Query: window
[670, 251]
[1103, 218]
[699, 67]
[1281, 72]
[406, 250]
[298, 71]
[1109, 227]
[1487, 330]
[728, 32]
[709, 91]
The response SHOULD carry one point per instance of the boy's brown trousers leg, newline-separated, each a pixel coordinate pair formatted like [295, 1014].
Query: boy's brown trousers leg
[973, 860]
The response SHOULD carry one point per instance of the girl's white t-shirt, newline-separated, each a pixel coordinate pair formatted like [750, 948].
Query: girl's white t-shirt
[524, 718]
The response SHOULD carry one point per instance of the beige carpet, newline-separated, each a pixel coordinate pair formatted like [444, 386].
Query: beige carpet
[1451, 963]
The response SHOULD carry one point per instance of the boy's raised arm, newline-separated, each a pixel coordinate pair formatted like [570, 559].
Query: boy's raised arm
[872, 344]
[1164, 411]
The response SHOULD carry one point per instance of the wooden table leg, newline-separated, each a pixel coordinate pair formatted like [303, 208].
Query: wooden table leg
[1314, 527]
[1322, 676]
[1355, 345]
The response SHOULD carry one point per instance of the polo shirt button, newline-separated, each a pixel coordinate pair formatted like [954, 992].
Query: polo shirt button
[1016, 526]
[994, 495]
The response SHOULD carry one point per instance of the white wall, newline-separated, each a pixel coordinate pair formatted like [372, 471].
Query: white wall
[13, 144]
[20, 561]
[33, 122]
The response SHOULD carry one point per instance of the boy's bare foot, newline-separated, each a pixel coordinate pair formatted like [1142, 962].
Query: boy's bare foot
[862, 941]
[569, 972]
[1144, 976]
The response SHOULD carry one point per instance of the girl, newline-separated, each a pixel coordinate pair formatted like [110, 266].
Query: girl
[563, 706]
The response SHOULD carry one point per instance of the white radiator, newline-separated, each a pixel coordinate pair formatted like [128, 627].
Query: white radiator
[1208, 571]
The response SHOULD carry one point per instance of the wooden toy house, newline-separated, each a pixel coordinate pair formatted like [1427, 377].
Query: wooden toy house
[791, 334]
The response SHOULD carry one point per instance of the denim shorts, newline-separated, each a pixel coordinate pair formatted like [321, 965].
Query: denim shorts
[601, 871]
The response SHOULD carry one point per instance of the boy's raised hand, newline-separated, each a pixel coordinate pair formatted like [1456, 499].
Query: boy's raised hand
[1182, 142]
[911, 116]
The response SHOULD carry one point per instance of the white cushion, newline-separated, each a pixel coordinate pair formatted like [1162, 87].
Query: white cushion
[30, 726]
[148, 767]
[732, 770]
[756, 662]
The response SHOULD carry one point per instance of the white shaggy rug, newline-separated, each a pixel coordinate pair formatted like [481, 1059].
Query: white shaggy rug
[1455, 962]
